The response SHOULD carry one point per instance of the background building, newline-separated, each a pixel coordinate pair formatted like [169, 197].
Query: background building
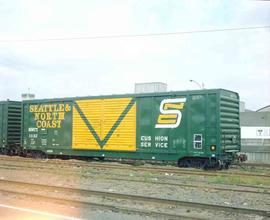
[255, 134]
[150, 87]
[28, 96]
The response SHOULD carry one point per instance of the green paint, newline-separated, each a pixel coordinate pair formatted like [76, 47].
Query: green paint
[214, 114]
[10, 124]
[43, 138]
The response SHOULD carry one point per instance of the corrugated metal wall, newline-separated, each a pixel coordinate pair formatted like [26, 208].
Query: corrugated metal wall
[258, 157]
[256, 119]
[257, 150]
[10, 124]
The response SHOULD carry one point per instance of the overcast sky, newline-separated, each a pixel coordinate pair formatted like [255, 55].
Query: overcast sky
[234, 60]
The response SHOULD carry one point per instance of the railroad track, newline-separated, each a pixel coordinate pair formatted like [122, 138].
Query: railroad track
[265, 165]
[55, 191]
[81, 203]
[241, 188]
[159, 169]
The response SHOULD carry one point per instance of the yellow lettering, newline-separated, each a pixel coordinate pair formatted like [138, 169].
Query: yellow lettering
[37, 116]
[61, 108]
[61, 115]
[54, 108]
[48, 116]
[68, 108]
[35, 108]
[40, 108]
[43, 124]
[54, 115]
[43, 116]
[48, 124]
[38, 124]
[31, 108]
[53, 124]
[44, 108]
[58, 123]
[48, 108]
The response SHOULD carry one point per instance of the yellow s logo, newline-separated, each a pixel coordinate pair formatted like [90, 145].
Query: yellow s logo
[171, 115]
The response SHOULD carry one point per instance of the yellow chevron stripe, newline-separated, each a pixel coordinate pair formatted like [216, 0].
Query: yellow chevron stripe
[102, 114]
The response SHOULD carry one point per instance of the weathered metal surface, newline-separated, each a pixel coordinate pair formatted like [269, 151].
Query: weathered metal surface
[258, 157]
[47, 124]
[164, 126]
[104, 124]
[10, 125]
[255, 145]
[230, 121]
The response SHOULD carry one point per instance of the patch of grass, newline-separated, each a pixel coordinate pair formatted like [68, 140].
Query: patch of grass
[234, 180]
[252, 169]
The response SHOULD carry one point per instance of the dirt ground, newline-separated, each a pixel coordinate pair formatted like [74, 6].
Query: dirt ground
[145, 184]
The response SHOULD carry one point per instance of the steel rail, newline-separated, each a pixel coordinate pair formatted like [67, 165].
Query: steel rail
[105, 207]
[175, 171]
[255, 165]
[152, 169]
[264, 165]
[262, 190]
[196, 186]
[131, 197]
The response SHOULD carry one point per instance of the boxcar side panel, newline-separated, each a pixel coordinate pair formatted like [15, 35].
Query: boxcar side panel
[10, 126]
[212, 128]
[161, 124]
[104, 124]
[166, 126]
[47, 125]
[14, 123]
[197, 125]
[229, 122]
[3, 128]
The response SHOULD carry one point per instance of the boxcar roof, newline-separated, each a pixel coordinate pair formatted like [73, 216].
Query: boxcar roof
[184, 92]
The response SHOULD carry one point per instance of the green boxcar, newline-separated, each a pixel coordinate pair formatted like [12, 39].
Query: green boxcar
[197, 128]
[10, 127]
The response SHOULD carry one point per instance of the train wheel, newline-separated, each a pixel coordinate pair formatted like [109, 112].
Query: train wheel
[180, 163]
[38, 155]
[43, 156]
[5, 151]
[101, 158]
[203, 164]
[226, 166]
[219, 165]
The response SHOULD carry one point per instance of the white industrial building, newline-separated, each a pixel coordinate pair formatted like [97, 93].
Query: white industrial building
[255, 134]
